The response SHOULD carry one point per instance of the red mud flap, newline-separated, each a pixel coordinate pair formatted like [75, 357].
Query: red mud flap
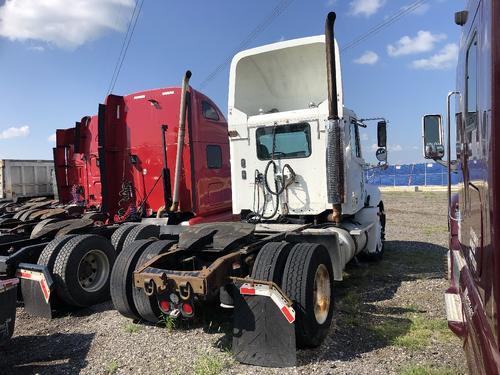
[263, 333]
[8, 296]
[36, 289]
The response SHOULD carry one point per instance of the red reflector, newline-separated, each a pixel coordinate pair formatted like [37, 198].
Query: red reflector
[250, 291]
[287, 314]
[187, 308]
[164, 305]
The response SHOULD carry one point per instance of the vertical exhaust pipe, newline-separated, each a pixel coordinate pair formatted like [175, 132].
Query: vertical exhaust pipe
[167, 189]
[180, 141]
[335, 147]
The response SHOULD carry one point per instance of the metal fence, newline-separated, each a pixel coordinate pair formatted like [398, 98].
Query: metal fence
[422, 174]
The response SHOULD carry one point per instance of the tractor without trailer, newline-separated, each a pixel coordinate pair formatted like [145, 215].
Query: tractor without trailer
[111, 168]
[472, 261]
[298, 184]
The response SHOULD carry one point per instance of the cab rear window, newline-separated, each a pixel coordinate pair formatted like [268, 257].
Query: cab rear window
[284, 141]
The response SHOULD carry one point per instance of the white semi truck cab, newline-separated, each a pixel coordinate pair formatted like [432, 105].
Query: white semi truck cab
[278, 128]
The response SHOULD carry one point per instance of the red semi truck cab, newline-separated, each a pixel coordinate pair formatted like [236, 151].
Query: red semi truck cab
[472, 300]
[116, 161]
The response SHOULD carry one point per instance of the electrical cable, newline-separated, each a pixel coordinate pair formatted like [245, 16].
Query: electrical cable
[275, 13]
[126, 43]
[389, 21]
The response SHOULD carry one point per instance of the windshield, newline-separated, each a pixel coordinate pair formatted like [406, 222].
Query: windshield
[290, 141]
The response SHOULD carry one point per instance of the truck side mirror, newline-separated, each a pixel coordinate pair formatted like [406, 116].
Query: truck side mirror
[432, 132]
[381, 154]
[382, 134]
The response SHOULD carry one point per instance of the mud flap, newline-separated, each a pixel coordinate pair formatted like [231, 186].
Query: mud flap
[36, 288]
[263, 329]
[8, 294]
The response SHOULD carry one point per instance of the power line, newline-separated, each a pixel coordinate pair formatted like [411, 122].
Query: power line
[389, 21]
[276, 12]
[126, 42]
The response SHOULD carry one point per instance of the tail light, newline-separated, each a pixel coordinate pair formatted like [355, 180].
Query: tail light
[164, 305]
[187, 309]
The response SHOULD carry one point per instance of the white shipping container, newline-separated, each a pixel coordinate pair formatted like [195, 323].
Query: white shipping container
[25, 178]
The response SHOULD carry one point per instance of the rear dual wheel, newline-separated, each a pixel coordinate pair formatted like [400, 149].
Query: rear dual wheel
[147, 306]
[304, 272]
[82, 270]
[308, 281]
[121, 278]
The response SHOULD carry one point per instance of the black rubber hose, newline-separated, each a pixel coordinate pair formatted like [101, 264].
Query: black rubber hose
[266, 184]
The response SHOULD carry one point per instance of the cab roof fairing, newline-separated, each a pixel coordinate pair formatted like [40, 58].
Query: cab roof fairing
[286, 76]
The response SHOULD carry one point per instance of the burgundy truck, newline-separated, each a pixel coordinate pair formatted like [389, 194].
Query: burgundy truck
[472, 300]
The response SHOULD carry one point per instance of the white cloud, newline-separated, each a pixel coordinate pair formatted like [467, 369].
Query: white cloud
[63, 23]
[365, 7]
[367, 58]
[424, 41]
[330, 3]
[392, 148]
[22, 131]
[364, 136]
[52, 138]
[446, 58]
[37, 48]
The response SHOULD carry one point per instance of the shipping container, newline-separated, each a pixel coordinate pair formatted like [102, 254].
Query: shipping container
[25, 178]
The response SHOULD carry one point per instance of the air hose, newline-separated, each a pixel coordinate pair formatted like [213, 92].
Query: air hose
[284, 185]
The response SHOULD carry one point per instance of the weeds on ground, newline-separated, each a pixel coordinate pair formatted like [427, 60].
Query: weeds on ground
[413, 332]
[132, 328]
[112, 367]
[351, 307]
[168, 321]
[209, 364]
[427, 370]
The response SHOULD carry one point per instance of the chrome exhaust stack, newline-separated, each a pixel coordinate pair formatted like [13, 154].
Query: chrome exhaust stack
[335, 147]
[180, 141]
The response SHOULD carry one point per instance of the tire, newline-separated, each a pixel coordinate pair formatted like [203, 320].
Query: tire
[121, 278]
[302, 267]
[40, 226]
[9, 221]
[74, 285]
[119, 236]
[49, 253]
[147, 307]
[141, 232]
[26, 214]
[4, 238]
[19, 213]
[270, 262]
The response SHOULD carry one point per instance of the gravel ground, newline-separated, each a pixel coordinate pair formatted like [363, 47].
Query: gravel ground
[389, 319]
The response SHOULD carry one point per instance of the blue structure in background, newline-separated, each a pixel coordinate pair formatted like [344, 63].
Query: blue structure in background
[412, 175]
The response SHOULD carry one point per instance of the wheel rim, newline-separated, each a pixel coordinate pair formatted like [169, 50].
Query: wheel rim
[93, 270]
[322, 294]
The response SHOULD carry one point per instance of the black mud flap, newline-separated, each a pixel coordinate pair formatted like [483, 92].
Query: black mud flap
[262, 335]
[8, 296]
[36, 288]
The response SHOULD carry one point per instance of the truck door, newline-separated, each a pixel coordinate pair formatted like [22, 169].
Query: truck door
[470, 145]
[354, 171]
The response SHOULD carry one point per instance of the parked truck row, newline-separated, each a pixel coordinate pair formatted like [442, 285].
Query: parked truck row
[177, 207]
